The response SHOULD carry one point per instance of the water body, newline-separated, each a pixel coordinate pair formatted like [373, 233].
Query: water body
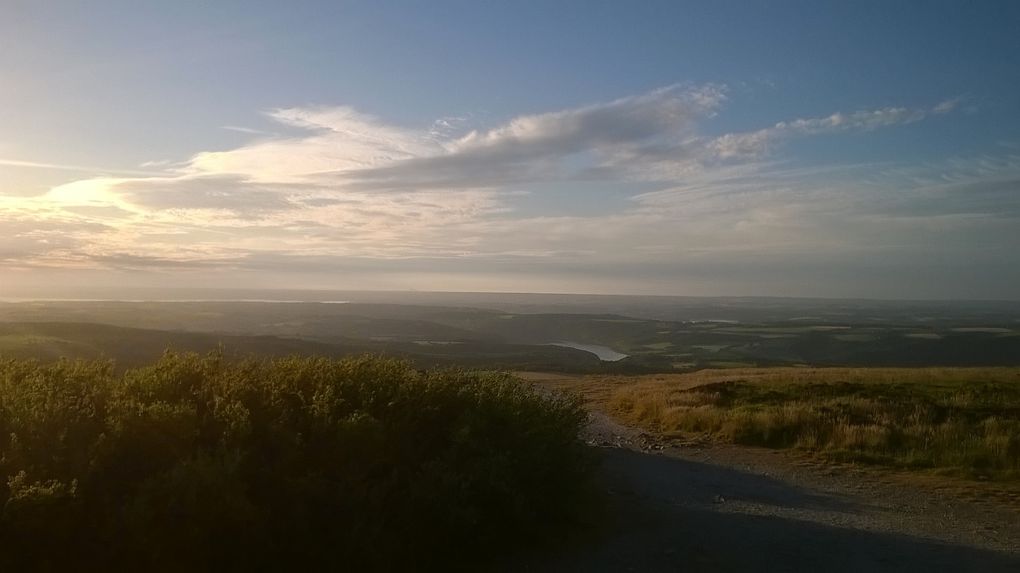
[604, 353]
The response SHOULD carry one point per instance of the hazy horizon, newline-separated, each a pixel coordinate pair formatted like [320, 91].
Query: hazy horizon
[826, 150]
[329, 296]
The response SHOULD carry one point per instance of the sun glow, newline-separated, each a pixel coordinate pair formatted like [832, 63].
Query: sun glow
[87, 193]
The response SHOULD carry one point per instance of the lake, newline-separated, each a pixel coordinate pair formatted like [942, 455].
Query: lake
[604, 353]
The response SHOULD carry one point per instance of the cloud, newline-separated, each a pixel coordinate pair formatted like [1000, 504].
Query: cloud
[447, 127]
[663, 112]
[758, 143]
[985, 187]
[8, 162]
[947, 106]
[247, 130]
[343, 192]
[222, 192]
[567, 144]
[335, 139]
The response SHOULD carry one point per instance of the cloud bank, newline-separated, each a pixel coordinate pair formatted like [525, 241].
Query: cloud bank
[340, 196]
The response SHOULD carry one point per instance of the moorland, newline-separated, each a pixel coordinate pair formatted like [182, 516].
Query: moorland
[180, 433]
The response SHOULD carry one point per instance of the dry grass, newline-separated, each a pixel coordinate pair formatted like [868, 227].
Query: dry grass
[953, 421]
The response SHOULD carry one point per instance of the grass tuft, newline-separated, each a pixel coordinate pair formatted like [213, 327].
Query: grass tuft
[957, 421]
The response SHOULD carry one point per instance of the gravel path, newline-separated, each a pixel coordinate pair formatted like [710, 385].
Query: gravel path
[706, 507]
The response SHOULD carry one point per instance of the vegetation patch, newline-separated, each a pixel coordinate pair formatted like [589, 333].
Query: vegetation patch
[963, 422]
[199, 463]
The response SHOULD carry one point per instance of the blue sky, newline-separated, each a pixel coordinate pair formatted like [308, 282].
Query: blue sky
[734, 148]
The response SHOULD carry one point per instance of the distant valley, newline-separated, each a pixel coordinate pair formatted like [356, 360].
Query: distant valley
[528, 332]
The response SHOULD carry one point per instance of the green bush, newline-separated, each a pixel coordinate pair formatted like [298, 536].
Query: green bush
[199, 463]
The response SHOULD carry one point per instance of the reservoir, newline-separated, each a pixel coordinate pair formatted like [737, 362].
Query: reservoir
[604, 353]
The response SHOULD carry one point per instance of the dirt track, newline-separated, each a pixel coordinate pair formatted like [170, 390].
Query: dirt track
[723, 508]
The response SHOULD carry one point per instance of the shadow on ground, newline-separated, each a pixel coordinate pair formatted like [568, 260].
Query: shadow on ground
[666, 517]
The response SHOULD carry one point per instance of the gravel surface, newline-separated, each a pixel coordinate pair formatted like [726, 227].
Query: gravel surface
[709, 507]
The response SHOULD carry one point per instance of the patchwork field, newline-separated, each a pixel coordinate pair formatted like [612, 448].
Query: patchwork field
[844, 335]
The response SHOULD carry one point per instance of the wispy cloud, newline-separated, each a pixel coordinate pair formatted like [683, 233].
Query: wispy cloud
[336, 139]
[8, 162]
[757, 143]
[568, 144]
[247, 130]
[947, 106]
[344, 189]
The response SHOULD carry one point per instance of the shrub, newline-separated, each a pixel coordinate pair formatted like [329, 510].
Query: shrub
[198, 463]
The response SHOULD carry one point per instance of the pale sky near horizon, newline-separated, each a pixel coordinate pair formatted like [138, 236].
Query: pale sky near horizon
[841, 149]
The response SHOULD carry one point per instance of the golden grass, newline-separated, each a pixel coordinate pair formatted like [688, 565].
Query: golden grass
[954, 421]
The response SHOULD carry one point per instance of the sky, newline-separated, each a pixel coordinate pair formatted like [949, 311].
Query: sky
[827, 149]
